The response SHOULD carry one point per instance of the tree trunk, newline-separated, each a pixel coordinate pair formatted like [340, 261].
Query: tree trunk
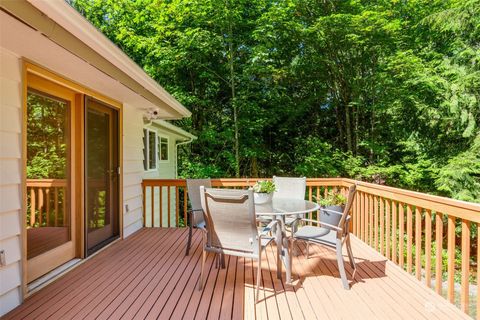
[233, 93]
[348, 127]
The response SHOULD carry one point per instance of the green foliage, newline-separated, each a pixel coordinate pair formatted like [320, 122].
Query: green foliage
[333, 198]
[383, 91]
[46, 137]
[264, 186]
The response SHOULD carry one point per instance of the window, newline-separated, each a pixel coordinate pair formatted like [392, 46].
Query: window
[149, 149]
[163, 148]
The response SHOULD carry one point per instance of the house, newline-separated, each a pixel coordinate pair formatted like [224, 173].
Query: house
[67, 90]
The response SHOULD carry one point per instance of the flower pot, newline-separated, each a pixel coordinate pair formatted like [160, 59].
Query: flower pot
[329, 216]
[260, 198]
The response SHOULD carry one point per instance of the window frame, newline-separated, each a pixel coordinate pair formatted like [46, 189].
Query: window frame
[159, 149]
[146, 148]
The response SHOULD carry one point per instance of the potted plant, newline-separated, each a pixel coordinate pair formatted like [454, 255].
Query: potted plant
[263, 191]
[334, 201]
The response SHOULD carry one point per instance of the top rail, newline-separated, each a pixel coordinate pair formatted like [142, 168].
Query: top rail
[459, 209]
[46, 183]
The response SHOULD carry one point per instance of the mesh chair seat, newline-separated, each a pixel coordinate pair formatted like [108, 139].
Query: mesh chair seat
[317, 234]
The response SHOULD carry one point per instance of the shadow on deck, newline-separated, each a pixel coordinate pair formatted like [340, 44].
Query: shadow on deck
[148, 276]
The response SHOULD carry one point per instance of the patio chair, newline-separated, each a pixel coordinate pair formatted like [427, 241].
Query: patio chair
[231, 227]
[290, 188]
[195, 214]
[333, 231]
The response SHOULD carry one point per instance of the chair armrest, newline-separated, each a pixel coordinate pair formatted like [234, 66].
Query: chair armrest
[331, 226]
[193, 211]
[267, 229]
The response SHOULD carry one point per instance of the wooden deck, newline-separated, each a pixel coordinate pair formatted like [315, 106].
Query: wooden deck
[148, 276]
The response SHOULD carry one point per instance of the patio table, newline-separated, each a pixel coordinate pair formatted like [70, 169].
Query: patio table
[278, 209]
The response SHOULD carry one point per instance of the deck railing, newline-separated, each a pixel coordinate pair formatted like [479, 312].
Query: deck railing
[46, 202]
[434, 238]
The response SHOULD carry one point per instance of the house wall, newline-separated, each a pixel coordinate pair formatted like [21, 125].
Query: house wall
[132, 169]
[10, 179]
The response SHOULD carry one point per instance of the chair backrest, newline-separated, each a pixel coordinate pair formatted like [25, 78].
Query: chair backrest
[291, 188]
[230, 218]
[193, 187]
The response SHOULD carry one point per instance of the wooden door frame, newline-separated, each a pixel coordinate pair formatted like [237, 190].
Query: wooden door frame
[78, 184]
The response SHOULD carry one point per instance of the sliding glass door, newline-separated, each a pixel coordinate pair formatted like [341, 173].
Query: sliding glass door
[102, 174]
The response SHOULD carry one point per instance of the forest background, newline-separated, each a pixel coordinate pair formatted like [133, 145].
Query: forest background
[382, 91]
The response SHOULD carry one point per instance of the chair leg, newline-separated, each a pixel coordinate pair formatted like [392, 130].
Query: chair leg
[292, 248]
[341, 266]
[259, 275]
[200, 281]
[350, 253]
[308, 249]
[189, 242]
[222, 260]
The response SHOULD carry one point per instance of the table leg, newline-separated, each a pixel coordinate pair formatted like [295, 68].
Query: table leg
[288, 259]
[283, 253]
[279, 242]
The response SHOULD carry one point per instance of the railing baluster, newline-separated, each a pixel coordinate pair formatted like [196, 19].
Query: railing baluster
[177, 206]
[401, 234]
[363, 212]
[375, 221]
[371, 211]
[382, 224]
[387, 228]
[185, 206]
[160, 207]
[168, 205]
[310, 197]
[428, 248]
[65, 216]
[438, 252]
[451, 259]
[143, 203]
[47, 211]
[55, 199]
[464, 296]
[40, 206]
[418, 243]
[152, 196]
[365, 217]
[409, 238]
[32, 206]
[357, 215]
[394, 231]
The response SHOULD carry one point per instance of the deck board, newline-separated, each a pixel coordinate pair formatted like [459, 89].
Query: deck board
[148, 276]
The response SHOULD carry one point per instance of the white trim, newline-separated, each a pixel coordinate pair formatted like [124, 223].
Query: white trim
[159, 142]
[170, 127]
[146, 148]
